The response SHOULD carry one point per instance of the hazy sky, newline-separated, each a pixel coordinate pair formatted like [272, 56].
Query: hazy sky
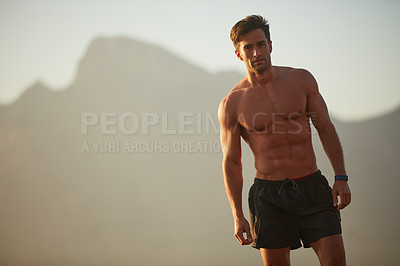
[351, 47]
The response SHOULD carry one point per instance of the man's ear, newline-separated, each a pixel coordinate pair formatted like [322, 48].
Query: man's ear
[270, 47]
[238, 55]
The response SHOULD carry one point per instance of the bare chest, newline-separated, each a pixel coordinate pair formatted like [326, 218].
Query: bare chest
[261, 108]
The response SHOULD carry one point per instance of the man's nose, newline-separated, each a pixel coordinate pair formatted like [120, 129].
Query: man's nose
[257, 52]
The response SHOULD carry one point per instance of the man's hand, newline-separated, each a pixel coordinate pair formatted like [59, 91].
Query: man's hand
[242, 226]
[341, 188]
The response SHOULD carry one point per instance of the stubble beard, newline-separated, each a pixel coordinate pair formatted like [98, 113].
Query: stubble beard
[261, 68]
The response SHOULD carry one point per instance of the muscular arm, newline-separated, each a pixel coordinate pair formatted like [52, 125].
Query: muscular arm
[327, 133]
[329, 138]
[232, 167]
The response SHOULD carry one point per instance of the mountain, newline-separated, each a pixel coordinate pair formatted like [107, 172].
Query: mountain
[125, 162]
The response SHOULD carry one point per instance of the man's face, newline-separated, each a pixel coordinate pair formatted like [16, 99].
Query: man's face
[254, 50]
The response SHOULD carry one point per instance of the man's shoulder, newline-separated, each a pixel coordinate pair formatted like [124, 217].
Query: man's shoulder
[291, 72]
[235, 93]
[300, 76]
[231, 101]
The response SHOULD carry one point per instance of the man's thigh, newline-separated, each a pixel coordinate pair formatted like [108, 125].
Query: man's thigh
[279, 256]
[330, 250]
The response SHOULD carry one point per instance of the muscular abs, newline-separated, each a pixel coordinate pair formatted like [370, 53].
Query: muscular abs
[273, 120]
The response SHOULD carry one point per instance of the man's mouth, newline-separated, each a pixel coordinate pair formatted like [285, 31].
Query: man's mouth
[258, 61]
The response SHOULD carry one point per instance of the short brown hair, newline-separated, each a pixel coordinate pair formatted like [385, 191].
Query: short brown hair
[248, 24]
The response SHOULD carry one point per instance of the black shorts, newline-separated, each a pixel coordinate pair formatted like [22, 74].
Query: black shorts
[283, 212]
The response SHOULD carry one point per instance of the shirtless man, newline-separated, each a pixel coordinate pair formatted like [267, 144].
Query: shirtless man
[290, 199]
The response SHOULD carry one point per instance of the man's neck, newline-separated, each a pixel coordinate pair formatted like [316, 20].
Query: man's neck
[263, 78]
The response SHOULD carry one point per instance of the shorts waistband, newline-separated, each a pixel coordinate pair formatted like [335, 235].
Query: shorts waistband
[298, 179]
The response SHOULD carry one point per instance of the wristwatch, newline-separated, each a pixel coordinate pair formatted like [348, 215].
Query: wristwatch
[341, 177]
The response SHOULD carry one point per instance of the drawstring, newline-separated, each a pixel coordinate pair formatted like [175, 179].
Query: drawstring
[294, 184]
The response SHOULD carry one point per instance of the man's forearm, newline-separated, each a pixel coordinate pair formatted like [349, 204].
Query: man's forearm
[333, 149]
[233, 185]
